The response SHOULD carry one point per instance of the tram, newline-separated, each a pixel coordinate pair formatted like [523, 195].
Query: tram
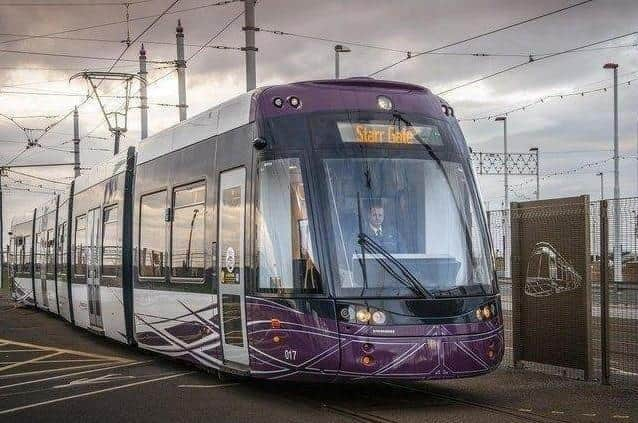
[326, 230]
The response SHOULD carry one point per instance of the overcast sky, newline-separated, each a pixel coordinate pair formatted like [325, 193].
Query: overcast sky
[570, 132]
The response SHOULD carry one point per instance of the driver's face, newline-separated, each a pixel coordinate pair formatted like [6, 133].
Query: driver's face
[376, 216]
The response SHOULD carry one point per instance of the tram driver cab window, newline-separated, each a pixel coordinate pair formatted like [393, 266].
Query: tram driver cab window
[286, 258]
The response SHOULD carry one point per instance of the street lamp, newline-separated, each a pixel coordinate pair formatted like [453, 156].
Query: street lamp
[538, 184]
[602, 192]
[505, 169]
[617, 246]
[339, 49]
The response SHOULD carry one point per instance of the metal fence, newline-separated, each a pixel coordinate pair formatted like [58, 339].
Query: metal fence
[614, 297]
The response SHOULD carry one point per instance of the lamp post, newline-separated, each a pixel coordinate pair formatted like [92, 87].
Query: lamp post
[538, 183]
[602, 192]
[339, 49]
[617, 246]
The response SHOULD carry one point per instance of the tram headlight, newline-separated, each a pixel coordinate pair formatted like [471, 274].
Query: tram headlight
[486, 312]
[378, 317]
[384, 102]
[363, 315]
[294, 102]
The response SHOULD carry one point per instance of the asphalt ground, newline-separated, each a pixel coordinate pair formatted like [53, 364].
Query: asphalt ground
[53, 372]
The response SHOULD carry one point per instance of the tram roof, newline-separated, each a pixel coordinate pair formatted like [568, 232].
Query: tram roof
[316, 95]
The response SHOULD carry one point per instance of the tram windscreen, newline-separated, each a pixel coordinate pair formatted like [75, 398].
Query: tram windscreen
[400, 222]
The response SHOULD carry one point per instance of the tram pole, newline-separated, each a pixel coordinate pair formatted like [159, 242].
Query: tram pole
[116, 147]
[602, 188]
[181, 70]
[250, 49]
[617, 243]
[76, 143]
[143, 94]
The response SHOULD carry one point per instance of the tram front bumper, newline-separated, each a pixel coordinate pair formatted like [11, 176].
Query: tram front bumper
[441, 354]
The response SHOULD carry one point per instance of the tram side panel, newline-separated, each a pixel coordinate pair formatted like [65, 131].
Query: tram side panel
[174, 227]
[97, 294]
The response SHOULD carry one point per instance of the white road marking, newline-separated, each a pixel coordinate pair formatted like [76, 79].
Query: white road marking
[86, 394]
[208, 386]
[60, 369]
[14, 351]
[74, 374]
[100, 379]
[525, 410]
[61, 350]
[30, 361]
[589, 414]
[619, 417]
[557, 412]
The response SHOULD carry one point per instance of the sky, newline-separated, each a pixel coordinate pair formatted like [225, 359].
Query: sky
[574, 134]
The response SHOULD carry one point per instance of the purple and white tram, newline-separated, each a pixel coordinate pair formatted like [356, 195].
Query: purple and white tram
[321, 231]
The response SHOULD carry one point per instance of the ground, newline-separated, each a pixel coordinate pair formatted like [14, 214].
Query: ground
[53, 372]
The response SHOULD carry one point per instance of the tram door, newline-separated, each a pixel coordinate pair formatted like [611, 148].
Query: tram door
[93, 267]
[231, 271]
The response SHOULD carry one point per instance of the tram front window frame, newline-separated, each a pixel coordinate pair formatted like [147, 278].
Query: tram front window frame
[283, 216]
[434, 146]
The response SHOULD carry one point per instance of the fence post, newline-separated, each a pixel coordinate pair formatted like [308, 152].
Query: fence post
[604, 293]
[517, 282]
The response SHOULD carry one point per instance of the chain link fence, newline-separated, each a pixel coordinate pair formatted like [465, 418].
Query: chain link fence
[616, 238]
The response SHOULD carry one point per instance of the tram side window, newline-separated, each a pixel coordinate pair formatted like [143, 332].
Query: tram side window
[286, 259]
[49, 258]
[187, 232]
[111, 249]
[38, 249]
[79, 250]
[26, 255]
[61, 248]
[152, 246]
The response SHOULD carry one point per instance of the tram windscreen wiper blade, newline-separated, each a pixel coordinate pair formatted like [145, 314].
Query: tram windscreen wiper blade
[408, 280]
[468, 237]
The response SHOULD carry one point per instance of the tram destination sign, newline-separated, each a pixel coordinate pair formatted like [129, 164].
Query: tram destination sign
[386, 133]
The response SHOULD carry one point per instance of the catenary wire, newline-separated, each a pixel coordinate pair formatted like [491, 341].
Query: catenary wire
[484, 34]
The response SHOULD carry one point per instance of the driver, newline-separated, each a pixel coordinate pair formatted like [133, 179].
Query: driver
[382, 234]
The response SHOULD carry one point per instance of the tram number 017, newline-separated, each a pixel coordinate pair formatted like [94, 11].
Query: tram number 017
[290, 355]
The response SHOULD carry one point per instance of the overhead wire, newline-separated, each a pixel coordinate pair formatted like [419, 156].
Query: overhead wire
[67, 31]
[112, 41]
[474, 37]
[543, 99]
[529, 62]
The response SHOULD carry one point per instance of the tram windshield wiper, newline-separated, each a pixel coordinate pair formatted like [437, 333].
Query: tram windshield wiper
[468, 236]
[408, 279]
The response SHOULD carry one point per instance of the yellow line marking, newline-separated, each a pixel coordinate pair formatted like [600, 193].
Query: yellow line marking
[208, 386]
[62, 350]
[33, 360]
[86, 394]
[75, 360]
[11, 351]
[60, 369]
[619, 417]
[29, 382]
